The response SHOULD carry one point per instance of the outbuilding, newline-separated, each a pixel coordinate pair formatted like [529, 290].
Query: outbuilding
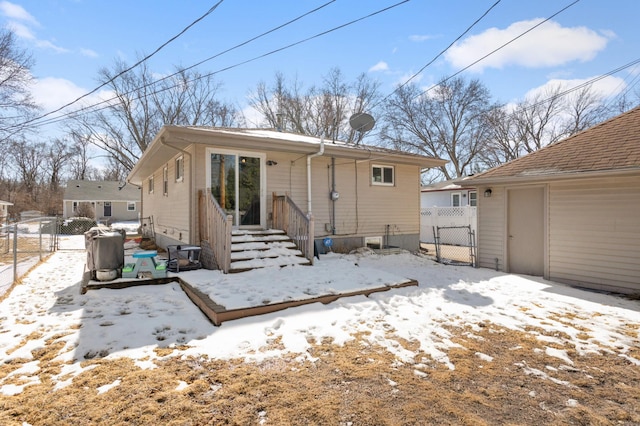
[569, 212]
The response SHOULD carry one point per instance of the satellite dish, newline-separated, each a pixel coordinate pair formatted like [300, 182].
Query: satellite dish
[362, 122]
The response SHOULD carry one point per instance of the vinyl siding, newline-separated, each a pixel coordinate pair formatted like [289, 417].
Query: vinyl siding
[491, 228]
[594, 237]
[170, 212]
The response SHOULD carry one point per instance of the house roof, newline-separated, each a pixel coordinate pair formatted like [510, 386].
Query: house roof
[85, 190]
[611, 147]
[172, 139]
[447, 185]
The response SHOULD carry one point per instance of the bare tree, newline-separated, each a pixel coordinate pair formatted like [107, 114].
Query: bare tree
[583, 109]
[142, 104]
[27, 159]
[57, 157]
[16, 103]
[449, 121]
[503, 144]
[319, 110]
[80, 161]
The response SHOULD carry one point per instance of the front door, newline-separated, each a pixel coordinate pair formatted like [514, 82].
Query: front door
[525, 227]
[236, 184]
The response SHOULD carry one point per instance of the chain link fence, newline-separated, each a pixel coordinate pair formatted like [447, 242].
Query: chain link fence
[23, 245]
[455, 245]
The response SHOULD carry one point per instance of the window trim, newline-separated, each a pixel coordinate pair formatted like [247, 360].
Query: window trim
[129, 204]
[474, 198]
[179, 163]
[165, 181]
[151, 184]
[459, 194]
[382, 175]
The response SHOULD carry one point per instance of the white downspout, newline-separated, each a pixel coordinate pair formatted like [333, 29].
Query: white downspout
[309, 157]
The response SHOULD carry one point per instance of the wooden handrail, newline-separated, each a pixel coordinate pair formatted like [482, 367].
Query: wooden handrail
[216, 228]
[297, 225]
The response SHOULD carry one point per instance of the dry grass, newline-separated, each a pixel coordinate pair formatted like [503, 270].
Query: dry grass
[501, 377]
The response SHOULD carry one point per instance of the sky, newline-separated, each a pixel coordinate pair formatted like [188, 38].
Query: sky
[46, 308]
[71, 40]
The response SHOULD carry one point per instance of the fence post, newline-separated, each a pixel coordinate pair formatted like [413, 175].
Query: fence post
[40, 238]
[15, 253]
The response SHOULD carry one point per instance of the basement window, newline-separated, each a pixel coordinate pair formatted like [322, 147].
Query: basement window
[382, 175]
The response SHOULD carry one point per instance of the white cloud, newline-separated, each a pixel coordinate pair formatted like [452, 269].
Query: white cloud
[420, 38]
[603, 88]
[21, 30]
[380, 66]
[51, 93]
[89, 53]
[17, 12]
[548, 45]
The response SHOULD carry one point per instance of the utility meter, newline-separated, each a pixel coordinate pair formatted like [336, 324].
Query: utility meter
[334, 195]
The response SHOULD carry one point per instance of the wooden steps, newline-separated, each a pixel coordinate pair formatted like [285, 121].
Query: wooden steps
[263, 249]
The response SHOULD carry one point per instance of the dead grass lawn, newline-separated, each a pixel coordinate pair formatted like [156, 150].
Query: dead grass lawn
[501, 377]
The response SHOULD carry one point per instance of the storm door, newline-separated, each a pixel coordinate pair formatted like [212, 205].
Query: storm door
[236, 184]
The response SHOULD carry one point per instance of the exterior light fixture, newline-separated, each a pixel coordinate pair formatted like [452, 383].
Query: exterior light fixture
[487, 193]
[272, 163]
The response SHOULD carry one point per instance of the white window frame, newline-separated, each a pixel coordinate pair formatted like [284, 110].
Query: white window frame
[382, 168]
[75, 206]
[165, 181]
[131, 206]
[151, 184]
[459, 195]
[180, 168]
[473, 201]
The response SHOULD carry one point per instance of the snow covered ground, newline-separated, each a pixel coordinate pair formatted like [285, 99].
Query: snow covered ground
[48, 308]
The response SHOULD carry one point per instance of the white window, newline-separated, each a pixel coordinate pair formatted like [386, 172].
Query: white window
[455, 199]
[131, 206]
[75, 206]
[179, 168]
[151, 184]
[473, 198]
[382, 175]
[165, 181]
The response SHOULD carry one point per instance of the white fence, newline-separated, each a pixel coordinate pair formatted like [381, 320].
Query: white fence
[446, 216]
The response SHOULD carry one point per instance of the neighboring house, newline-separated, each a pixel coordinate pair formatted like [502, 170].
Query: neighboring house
[104, 201]
[4, 211]
[569, 212]
[447, 204]
[354, 192]
[448, 194]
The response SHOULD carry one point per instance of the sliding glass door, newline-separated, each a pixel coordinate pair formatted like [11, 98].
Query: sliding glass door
[236, 184]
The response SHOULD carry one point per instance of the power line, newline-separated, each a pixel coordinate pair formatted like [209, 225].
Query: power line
[162, 46]
[439, 54]
[92, 107]
[502, 46]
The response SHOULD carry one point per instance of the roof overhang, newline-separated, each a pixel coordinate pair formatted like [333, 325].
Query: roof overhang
[171, 140]
[538, 178]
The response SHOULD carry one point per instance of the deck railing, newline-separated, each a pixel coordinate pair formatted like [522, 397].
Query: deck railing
[298, 225]
[216, 229]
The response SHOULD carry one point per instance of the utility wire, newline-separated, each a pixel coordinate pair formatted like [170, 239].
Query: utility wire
[107, 101]
[439, 54]
[501, 47]
[162, 46]
[92, 107]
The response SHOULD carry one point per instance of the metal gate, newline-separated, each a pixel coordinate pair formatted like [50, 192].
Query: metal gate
[70, 235]
[455, 245]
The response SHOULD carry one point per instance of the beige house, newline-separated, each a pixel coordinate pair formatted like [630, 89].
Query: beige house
[197, 180]
[104, 201]
[569, 212]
